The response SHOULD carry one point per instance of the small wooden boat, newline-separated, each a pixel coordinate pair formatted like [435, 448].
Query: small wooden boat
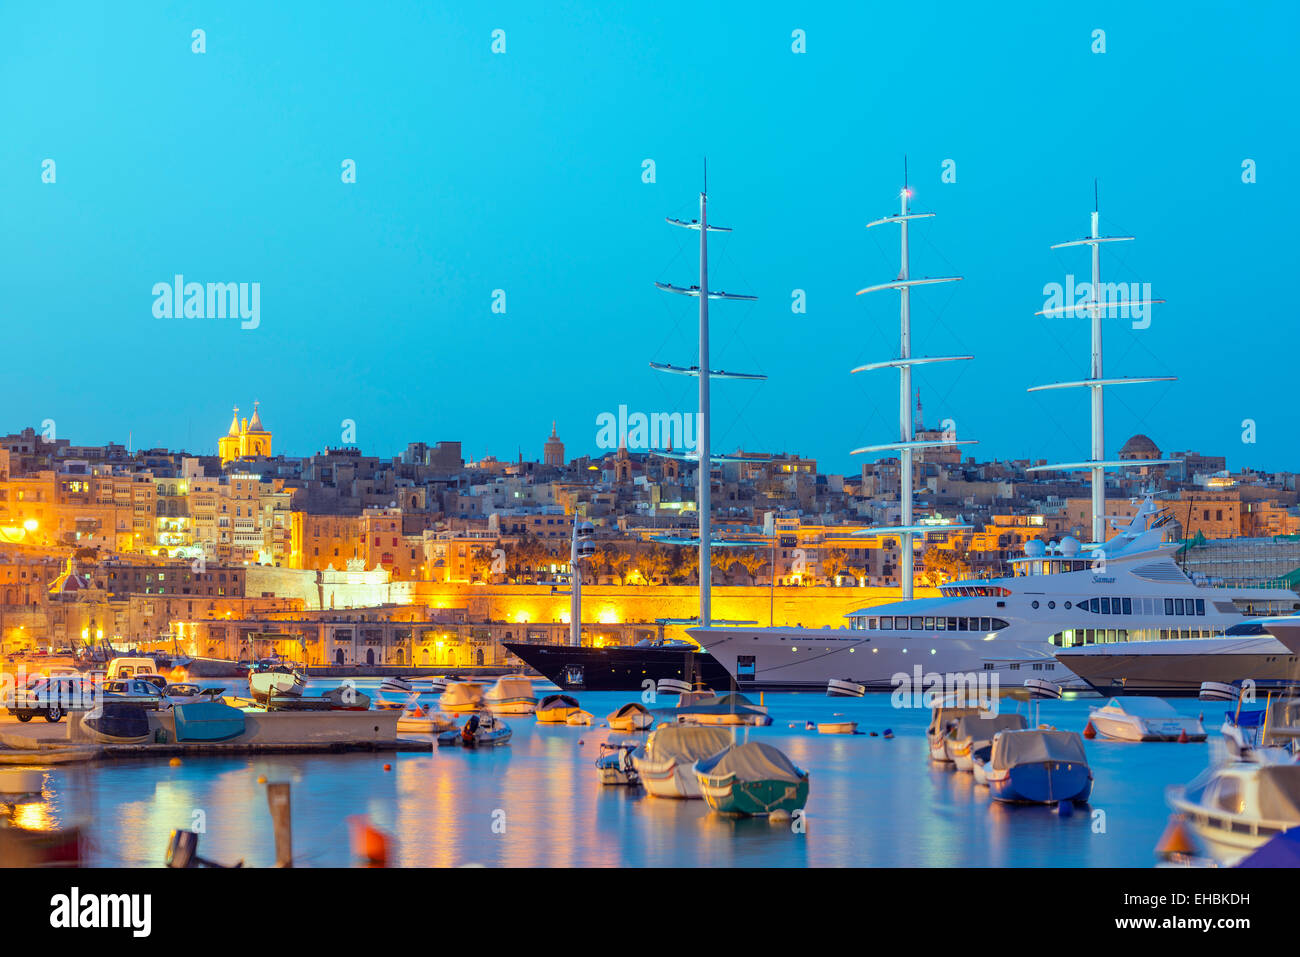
[579, 718]
[480, 731]
[397, 686]
[208, 721]
[727, 710]
[837, 726]
[419, 721]
[556, 709]
[943, 720]
[1038, 766]
[1144, 719]
[615, 763]
[974, 732]
[631, 717]
[118, 722]
[266, 684]
[751, 779]
[512, 694]
[462, 697]
[838, 688]
[667, 767]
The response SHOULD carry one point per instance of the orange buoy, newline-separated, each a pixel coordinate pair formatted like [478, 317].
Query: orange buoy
[1182, 737]
[388, 767]
[368, 842]
[261, 779]
[1089, 731]
[1175, 839]
[418, 712]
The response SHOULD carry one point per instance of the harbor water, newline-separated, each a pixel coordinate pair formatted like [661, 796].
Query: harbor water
[536, 801]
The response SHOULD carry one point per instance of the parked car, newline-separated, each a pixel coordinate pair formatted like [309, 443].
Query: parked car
[53, 697]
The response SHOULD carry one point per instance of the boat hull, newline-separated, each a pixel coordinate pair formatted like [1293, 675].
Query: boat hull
[1045, 782]
[619, 668]
[668, 779]
[1179, 668]
[1137, 730]
[753, 798]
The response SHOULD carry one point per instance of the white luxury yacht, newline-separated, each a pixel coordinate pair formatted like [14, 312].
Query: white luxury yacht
[1067, 613]
[1023, 626]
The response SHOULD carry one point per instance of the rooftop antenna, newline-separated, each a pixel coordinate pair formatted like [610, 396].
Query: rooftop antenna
[704, 374]
[907, 442]
[1094, 306]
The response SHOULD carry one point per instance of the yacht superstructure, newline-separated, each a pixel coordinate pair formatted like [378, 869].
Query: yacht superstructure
[1013, 627]
[1121, 594]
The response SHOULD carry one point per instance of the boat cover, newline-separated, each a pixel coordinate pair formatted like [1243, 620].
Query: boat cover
[752, 761]
[686, 743]
[557, 701]
[506, 688]
[1279, 792]
[939, 717]
[1014, 748]
[1143, 707]
[631, 707]
[726, 701]
[462, 693]
[974, 728]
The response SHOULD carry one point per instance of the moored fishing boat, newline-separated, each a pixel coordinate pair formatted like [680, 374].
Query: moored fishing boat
[265, 684]
[418, 720]
[462, 697]
[751, 779]
[556, 709]
[943, 720]
[615, 763]
[666, 768]
[1144, 719]
[727, 710]
[630, 717]
[1038, 766]
[1219, 691]
[512, 694]
[974, 732]
[1237, 808]
[480, 730]
[837, 725]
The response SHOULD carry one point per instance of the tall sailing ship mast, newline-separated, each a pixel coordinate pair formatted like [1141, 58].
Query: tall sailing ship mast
[1094, 306]
[705, 542]
[907, 442]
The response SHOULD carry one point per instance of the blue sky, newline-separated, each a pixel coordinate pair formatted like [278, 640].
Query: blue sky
[523, 172]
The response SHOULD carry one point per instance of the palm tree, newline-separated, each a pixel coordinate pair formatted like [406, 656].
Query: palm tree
[834, 562]
[751, 560]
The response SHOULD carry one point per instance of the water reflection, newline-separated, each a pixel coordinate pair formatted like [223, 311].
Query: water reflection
[537, 802]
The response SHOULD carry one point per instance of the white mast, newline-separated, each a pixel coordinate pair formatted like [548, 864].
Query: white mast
[1093, 306]
[582, 547]
[703, 456]
[907, 442]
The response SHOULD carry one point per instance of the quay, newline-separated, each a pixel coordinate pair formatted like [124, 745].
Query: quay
[267, 733]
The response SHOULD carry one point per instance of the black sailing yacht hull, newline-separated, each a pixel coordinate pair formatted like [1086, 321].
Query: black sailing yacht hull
[620, 668]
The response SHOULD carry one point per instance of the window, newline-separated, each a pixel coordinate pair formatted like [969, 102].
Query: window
[917, 622]
[1128, 605]
[1178, 606]
[985, 624]
[1200, 606]
[1169, 606]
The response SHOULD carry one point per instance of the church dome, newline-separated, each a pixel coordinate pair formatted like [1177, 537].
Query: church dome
[1139, 447]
